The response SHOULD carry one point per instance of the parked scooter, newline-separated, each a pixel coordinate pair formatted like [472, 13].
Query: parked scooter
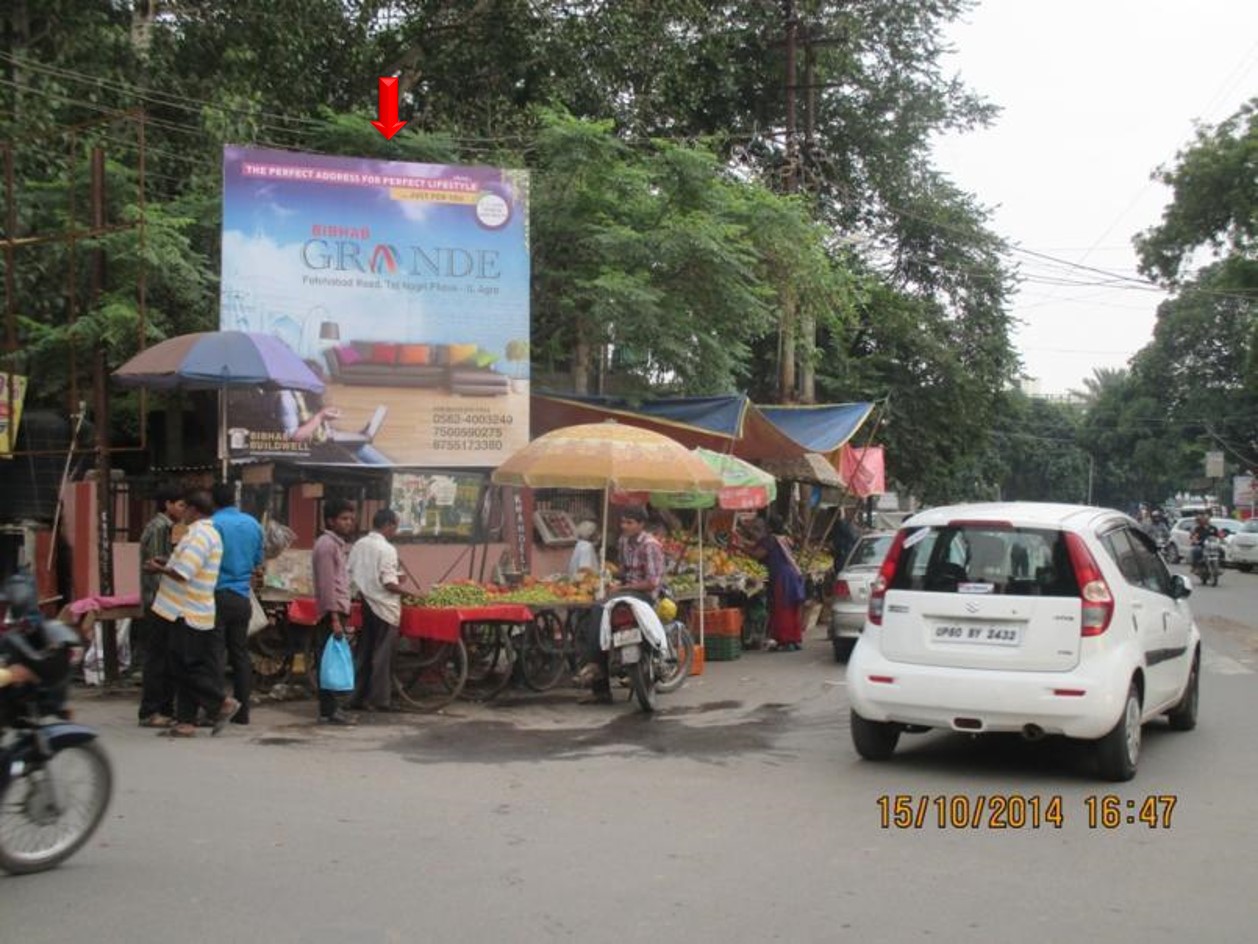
[55, 780]
[1210, 564]
[637, 647]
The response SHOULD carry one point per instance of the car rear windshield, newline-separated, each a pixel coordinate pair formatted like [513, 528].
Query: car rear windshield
[869, 552]
[976, 558]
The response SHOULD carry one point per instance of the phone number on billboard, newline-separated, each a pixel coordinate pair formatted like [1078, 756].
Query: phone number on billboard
[471, 445]
[455, 432]
[472, 418]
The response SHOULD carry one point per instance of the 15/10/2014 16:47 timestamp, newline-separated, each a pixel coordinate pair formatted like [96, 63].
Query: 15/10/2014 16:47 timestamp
[1016, 811]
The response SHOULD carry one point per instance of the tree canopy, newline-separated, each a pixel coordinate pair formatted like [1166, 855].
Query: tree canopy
[702, 220]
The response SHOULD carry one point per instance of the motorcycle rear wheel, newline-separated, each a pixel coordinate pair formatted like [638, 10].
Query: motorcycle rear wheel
[47, 814]
[642, 678]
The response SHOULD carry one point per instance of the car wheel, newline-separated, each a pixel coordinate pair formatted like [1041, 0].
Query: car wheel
[874, 740]
[1183, 717]
[1119, 751]
[843, 648]
[1244, 568]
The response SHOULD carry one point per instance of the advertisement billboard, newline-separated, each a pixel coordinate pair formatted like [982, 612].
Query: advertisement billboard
[12, 394]
[404, 286]
[1244, 491]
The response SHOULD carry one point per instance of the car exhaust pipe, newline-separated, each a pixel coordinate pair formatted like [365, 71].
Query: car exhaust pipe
[1033, 732]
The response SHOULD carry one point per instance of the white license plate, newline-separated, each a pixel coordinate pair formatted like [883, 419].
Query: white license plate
[626, 637]
[978, 635]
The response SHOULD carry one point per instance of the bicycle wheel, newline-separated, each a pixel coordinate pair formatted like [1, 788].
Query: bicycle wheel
[542, 654]
[429, 674]
[675, 667]
[490, 659]
[49, 812]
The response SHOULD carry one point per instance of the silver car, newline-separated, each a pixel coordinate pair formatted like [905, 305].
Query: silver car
[1242, 547]
[1179, 546]
[851, 591]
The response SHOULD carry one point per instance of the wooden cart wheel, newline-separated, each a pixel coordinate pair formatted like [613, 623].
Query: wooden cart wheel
[490, 660]
[542, 656]
[429, 674]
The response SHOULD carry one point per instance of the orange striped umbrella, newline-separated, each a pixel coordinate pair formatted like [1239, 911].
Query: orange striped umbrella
[608, 456]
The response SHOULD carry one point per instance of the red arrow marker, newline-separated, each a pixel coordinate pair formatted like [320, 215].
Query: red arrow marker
[388, 125]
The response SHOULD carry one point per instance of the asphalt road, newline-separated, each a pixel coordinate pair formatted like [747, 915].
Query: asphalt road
[739, 813]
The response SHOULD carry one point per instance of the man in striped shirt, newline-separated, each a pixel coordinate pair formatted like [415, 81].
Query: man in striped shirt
[185, 600]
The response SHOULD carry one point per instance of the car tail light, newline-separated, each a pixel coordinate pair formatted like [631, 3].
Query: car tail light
[842, 591]
[886, 573]
[1098, 602]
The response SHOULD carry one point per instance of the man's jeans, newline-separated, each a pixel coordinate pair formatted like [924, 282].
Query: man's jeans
[232, 613]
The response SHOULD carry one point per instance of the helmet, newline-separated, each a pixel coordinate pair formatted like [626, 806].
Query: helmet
[19, 593]
[666, 610]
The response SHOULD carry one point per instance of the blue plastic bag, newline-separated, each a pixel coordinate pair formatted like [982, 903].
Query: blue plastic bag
[336, 666]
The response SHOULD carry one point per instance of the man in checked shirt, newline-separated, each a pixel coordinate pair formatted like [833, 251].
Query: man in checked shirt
[641, 558]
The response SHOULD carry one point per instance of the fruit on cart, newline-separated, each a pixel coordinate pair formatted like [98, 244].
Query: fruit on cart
[749, 565]
[459, 593]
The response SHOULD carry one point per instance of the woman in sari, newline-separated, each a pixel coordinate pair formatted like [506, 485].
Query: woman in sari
[786, 584]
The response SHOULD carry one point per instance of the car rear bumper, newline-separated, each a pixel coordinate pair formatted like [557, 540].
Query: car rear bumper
[1242, 555]
[846, 622]
[983, 701]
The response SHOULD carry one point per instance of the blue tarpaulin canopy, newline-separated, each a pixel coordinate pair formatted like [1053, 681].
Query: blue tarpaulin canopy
[818, 428]
[724, 423]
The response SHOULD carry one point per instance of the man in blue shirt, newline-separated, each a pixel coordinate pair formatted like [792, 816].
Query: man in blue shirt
[242, 556]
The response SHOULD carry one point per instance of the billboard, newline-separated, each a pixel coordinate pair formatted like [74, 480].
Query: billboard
[1244, 491]
[12, 394]
[404, 286]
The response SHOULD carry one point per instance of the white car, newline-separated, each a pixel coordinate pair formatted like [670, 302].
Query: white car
[1241, 549]
[850, 599]
[1179, 547]
[1025, 617]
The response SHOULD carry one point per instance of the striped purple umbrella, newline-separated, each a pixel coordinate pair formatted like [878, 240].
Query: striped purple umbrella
[214, 360]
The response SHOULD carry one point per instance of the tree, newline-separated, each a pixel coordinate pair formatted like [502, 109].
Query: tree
[667, 254]
[1204, 356]
[1214, 204]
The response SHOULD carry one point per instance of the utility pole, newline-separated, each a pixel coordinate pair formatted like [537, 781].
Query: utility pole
[786, 363]
[100, 414]
[807, 323]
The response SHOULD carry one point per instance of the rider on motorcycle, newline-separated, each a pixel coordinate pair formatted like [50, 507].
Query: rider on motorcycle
[1197, 537]
[641, 574]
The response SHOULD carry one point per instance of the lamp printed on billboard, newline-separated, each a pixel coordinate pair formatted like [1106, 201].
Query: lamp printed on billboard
[404, 287]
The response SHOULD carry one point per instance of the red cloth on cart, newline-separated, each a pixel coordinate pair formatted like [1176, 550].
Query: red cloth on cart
[444, 622]
[441, 623]
[304, 611]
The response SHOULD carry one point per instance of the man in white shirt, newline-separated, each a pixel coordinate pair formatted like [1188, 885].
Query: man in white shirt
[584, 554]
[373, 569]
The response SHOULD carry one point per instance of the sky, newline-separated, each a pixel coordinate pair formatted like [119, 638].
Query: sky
[1095, 94]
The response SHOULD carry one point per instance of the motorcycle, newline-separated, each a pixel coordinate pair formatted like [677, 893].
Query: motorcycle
[55, 779]
[1208, 566]
[638, 649]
